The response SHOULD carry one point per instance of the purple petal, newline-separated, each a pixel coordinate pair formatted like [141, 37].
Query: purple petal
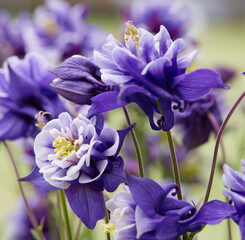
[233, 179]
[125, 60]
[12, 126]
[139, 95]
[212, 212]
[87, 204]
[36, 178]
[122, 134]
[197, 83]
[145, 192]
[104, 102]
[115, 177]
[77, 91]
[76, 68]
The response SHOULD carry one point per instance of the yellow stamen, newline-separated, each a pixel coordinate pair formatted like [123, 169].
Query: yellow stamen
[132, 31]
[39, 117]
[56, 80]
[64, 147]
[109, 228]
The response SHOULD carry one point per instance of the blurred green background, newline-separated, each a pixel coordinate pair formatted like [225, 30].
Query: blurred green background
[219, 28]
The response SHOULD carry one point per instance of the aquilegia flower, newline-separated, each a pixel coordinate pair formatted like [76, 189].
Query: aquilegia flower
[11, 35]
[79, 155]
[148, 71]
[79, 79]
[236, 182]
[152, 14]
[59, 31]
[200, 119]
[24, 91]
[145, 210]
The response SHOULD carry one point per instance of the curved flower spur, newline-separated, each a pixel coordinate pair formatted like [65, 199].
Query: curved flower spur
[79, 155]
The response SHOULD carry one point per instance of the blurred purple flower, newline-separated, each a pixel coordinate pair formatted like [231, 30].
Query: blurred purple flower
[149, 70]
[19, 226]
[11, 35]
[60, 31]
[236, 182]
[80, 156]
[226, 73]
[144, 210]
[24, 91]
[199, 119]
[152, 14]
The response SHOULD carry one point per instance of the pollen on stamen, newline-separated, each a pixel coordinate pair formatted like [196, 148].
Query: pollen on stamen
[132, 31]
[40, 119]
[109, 228]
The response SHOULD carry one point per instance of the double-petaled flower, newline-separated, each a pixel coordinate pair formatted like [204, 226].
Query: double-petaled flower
[145, 210]
[79, 155]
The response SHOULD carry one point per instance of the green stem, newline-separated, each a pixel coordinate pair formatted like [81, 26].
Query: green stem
[218, 139]
[108, 236]
[64, 208]
[136, 143]
[62, 232]
[29, 210]
[173, 156]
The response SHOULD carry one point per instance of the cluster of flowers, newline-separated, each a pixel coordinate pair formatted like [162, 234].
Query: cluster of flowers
[78, 153]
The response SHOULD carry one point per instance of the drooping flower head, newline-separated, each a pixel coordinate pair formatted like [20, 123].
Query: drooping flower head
[145, 210]
[24, 92]
[59, 31]
[79, 155]
[151, 15]
[148, 70]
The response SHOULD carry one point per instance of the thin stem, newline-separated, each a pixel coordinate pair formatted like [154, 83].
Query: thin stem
[108, 236]
[62, 232]
[216, 127]
[136, 143]
[173, 156]
[78, 229]
[29, 210]
[219, 135]
[174, 163]
[64, 208]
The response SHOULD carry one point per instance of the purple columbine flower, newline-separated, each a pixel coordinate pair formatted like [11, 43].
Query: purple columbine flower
[236, 182]
[200, 119]
[79, 155]
[151, 15]
[11, 35]
[24, 92]
[79, 79]
[147, 69]
[59, 31]
[145, 210]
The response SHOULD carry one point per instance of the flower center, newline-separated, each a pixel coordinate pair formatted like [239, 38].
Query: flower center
[109, 228]
[64, 147]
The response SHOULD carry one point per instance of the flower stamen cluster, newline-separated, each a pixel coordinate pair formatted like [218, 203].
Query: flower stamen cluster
[64, 147]
[132, 31]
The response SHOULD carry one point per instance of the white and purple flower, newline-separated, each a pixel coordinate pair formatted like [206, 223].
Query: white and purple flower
[145, 210]
[79, 155]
